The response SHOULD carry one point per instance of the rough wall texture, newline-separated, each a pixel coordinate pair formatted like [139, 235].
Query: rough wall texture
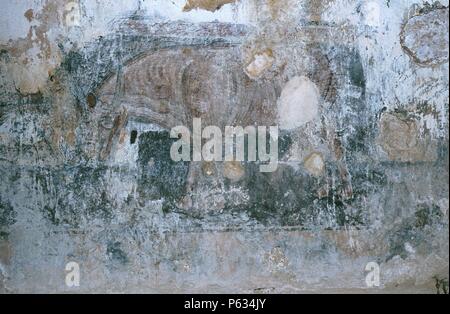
[90, 89]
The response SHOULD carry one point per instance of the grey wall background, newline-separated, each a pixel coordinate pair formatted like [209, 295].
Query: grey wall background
[90, 89]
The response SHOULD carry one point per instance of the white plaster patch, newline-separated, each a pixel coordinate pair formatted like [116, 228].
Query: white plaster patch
[372, 14]
[298, 103]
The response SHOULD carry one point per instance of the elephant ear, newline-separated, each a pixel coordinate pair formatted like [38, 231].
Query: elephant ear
[216, 89]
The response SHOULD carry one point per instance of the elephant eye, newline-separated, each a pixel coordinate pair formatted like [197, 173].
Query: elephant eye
[133, 137]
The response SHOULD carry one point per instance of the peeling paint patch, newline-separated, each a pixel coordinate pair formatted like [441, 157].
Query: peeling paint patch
[424, 37]
[209, 5]
[401, 140]
[259, 64]
[315, 164]
[29, 14]
[233, 170]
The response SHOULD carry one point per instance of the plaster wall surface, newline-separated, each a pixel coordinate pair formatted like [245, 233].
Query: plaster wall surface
[89, 91]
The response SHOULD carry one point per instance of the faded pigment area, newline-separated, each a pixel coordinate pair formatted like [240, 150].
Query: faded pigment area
[90, 90]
